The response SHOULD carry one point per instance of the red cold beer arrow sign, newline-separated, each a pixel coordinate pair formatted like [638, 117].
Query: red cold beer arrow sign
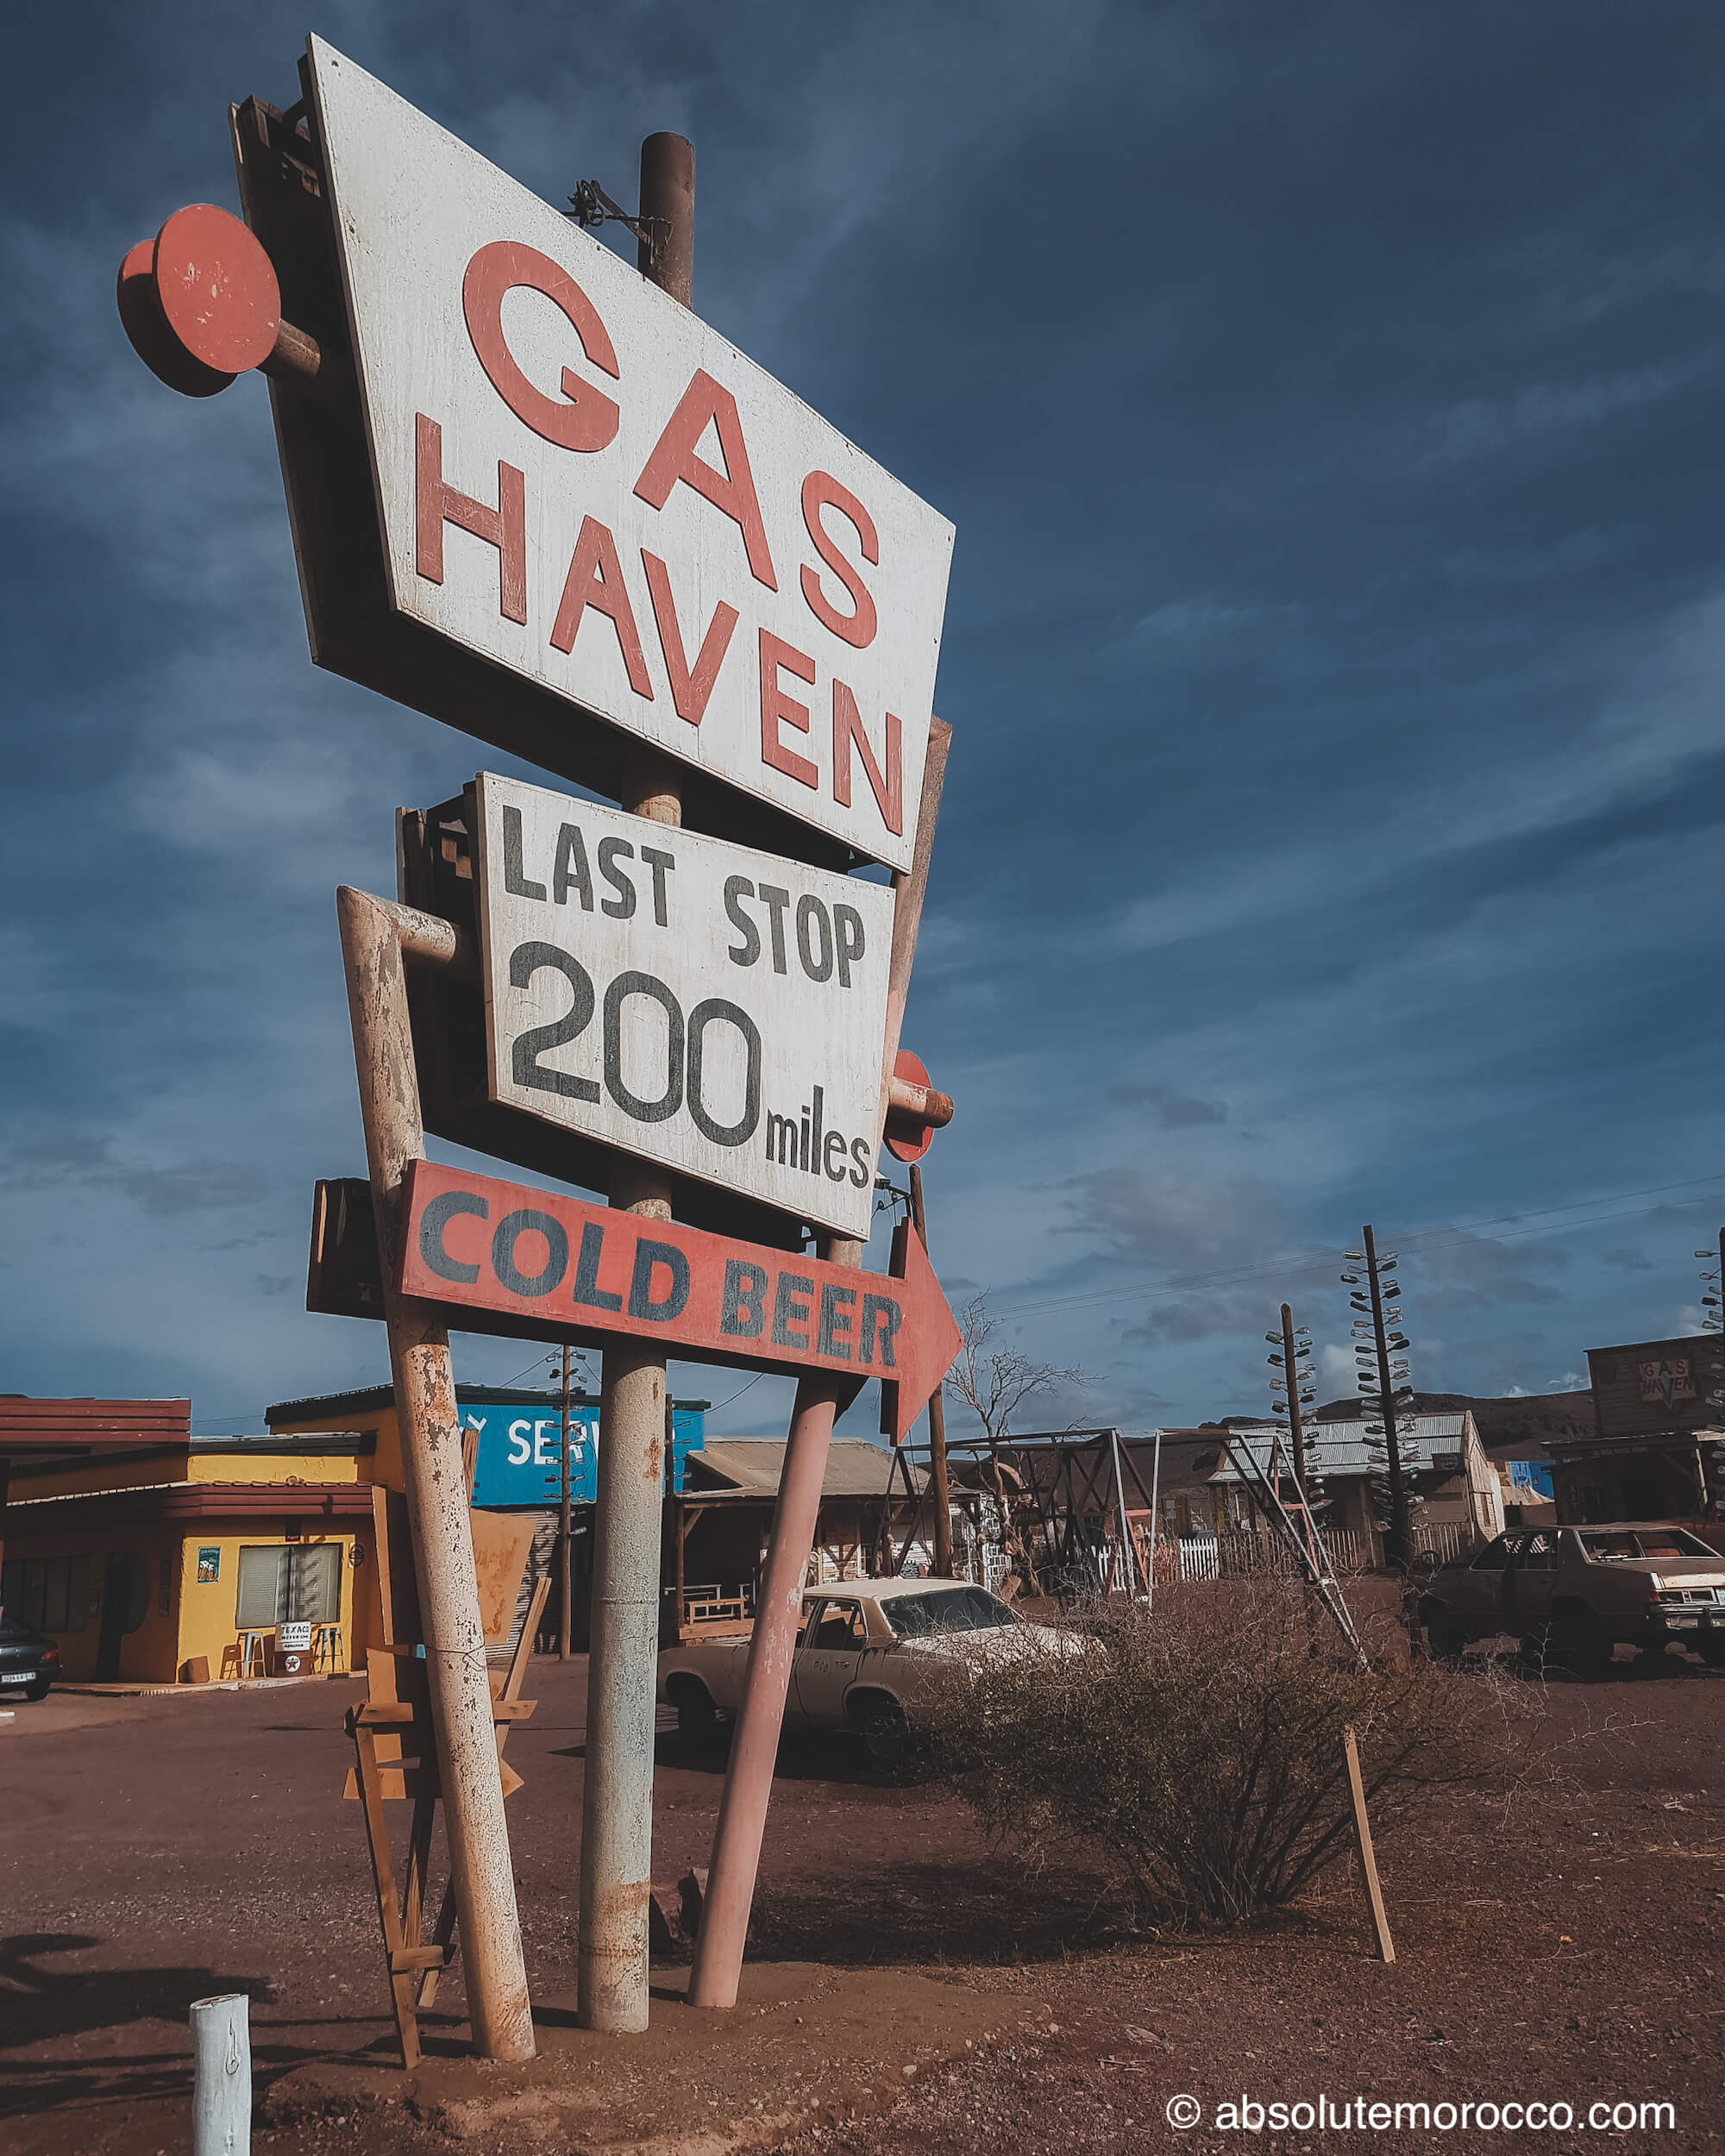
[482, 1244]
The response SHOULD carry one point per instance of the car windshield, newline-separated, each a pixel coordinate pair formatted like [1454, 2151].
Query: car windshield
[952, 1609]
[1645, 1542]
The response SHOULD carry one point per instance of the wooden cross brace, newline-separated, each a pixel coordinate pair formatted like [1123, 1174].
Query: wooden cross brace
[395, 1758]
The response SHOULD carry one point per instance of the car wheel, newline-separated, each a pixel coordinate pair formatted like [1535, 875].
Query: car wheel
[39, 1690]
[696, 1716]
[886, 1735]
[1711, 1649]
[1584, 1645]
[1444, 1636]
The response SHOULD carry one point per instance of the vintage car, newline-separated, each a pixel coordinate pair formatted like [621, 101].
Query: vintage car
[868, 1653]
[1571, 1593]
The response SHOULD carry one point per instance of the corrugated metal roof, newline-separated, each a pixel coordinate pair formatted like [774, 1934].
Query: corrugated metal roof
[1342, 1448]
[854, 1467]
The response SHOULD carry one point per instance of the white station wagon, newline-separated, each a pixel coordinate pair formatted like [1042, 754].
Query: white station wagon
[866, 1653]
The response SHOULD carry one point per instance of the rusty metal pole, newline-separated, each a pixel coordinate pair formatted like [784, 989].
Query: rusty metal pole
[479, 1870]
[778, 1606]
[754, 1744]
[936, 1425]
[565, 1567]
[617, 1796]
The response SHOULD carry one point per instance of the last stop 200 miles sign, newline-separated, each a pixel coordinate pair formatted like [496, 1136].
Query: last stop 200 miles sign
[719, 1011]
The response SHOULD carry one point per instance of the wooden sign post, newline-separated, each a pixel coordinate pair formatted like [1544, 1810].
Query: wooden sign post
[373, 938]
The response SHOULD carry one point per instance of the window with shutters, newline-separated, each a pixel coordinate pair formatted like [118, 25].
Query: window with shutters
[288, 1583]
[47, 1594]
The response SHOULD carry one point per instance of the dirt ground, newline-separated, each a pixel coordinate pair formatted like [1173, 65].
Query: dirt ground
[911, 1989]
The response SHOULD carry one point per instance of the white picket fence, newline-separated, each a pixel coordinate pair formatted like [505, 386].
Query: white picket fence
[1237, 1552]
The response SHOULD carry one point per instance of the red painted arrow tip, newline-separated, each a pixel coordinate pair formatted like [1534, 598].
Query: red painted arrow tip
[934, 1337]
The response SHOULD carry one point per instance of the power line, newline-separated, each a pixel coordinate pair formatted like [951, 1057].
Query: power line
[1548, 1217]
[738, 1393]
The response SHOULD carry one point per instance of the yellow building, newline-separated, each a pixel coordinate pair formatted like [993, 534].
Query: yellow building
[152, 1563]
[151, 1556]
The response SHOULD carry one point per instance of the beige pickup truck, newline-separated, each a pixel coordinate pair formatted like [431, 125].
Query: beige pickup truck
[868, 1652]
[1572, 1594]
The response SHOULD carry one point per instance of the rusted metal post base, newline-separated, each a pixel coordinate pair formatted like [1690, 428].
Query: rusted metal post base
[749, 1779]
[372, 934]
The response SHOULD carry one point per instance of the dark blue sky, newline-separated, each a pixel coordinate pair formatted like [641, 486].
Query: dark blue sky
[1328, 400]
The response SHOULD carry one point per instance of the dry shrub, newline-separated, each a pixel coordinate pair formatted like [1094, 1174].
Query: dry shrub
[1197, 1752]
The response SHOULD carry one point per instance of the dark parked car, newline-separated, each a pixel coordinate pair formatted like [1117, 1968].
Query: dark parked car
[1571, 1593]
[29, 1661]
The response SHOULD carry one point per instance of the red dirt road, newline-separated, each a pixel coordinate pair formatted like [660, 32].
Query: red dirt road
[154, 1851]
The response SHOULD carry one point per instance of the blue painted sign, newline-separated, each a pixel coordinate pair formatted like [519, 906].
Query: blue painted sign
[520, 1447]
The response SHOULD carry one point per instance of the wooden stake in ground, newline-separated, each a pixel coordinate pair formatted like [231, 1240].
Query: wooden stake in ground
[1367, 1863]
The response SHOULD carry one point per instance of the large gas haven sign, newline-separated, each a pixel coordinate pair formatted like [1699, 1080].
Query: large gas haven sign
[581, 482]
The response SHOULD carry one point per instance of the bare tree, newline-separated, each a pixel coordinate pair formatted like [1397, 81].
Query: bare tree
[994, 1381]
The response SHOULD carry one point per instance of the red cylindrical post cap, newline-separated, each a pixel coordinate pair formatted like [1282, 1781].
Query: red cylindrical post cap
[145, 324]
[217, 288]
[907, 1141]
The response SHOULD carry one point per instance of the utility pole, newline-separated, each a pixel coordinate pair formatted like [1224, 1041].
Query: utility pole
[617, 1797]
[1401, 1531]
[1296, 1428]
[936, 1424]
[565, 1568]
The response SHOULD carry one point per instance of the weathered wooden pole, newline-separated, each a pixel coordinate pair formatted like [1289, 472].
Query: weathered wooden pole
[1368, 1860]
[372, 933]
[617, 1796]
[936, 1424]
